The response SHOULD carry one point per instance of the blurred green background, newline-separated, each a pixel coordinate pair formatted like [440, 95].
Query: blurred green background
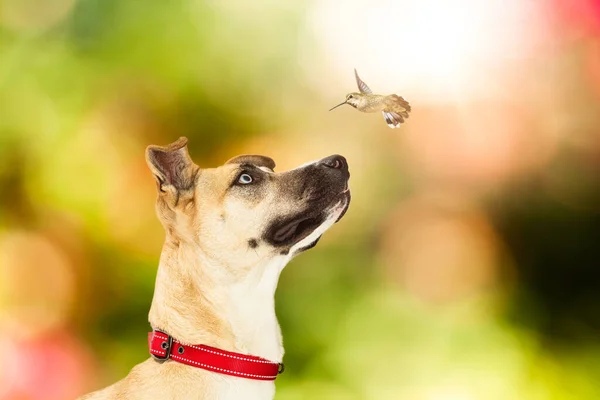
[467, 267]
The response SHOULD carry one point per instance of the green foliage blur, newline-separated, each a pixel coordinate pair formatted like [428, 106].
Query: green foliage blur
[465, 269]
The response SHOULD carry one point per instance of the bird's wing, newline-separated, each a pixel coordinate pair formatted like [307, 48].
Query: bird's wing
[392, 119]
[361, 85]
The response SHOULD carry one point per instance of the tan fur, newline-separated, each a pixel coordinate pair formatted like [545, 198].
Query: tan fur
[211, 287]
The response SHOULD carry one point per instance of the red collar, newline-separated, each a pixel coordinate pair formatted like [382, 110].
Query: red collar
[163, 347]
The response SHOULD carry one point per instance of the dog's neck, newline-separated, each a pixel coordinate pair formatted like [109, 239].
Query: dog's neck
[197, 300]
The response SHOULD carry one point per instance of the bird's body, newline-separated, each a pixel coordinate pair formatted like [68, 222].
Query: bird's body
[393, 107]
[369, 103]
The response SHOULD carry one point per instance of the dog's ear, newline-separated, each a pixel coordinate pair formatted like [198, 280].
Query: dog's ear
[171, 166]
[259, 161]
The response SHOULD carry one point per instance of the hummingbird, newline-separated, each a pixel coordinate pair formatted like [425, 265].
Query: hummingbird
[393, 107]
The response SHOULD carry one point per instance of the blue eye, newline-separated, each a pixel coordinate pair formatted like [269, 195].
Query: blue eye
[245, 179]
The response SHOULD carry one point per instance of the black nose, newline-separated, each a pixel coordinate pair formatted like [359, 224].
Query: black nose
[336, 162]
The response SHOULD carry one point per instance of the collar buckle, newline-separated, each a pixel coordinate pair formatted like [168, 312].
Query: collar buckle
[164, 345]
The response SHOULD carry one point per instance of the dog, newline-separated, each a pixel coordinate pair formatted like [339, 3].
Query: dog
[230, 231]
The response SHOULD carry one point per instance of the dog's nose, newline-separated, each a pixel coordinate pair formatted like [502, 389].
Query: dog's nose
[336, 162]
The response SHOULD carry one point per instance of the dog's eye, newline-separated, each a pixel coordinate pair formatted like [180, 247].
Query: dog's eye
[245, 179]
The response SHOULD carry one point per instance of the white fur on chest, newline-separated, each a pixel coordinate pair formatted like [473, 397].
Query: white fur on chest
[232, 388]
[252, 319]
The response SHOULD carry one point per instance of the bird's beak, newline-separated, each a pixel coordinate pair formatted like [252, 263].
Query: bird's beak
[341, 104]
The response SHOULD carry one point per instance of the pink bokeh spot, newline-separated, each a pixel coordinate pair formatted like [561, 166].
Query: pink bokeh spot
[580, 16]
[484, 145]
[51, 367]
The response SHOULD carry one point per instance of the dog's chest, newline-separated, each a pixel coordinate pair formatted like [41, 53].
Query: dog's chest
[174, 381]
[233, 388]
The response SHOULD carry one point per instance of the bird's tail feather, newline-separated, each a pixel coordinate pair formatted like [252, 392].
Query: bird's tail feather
[393, 119]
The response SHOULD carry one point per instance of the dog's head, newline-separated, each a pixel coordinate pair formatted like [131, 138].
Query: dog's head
[243, 208]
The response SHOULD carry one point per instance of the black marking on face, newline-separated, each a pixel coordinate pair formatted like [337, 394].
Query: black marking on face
[253, 243]
[285, 252]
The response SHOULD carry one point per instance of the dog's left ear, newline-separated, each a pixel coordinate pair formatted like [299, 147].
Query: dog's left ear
[171, 166]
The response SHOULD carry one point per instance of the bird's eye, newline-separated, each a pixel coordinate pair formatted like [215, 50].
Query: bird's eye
[245, 179]
[350, 96]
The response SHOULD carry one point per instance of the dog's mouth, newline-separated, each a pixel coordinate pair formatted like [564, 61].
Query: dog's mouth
[346, 196]
[290, 231]
[294, 230]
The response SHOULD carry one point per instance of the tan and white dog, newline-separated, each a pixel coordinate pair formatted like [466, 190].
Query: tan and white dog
[229, 233]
